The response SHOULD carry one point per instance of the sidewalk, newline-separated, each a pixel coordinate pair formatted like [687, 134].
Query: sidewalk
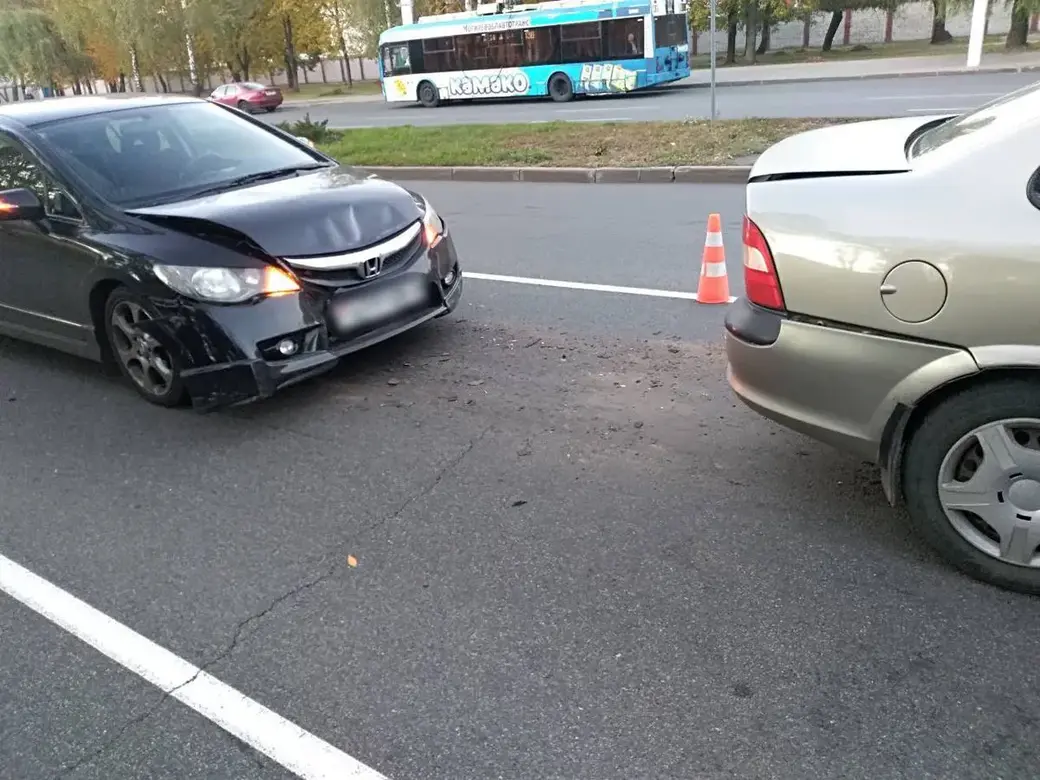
[891, 67]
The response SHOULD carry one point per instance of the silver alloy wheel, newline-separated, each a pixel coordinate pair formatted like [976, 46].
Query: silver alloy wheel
[989, 488]
[146, 362]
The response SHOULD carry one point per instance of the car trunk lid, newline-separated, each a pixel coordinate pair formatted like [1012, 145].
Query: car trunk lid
[855, 149]
[838, 209]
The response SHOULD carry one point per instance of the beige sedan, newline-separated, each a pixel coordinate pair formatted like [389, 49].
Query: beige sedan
[892, 270]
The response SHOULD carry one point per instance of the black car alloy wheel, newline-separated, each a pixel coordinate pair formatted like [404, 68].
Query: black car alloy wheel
[140, 357]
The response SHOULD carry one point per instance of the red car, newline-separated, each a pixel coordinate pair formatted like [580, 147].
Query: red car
[248, 96]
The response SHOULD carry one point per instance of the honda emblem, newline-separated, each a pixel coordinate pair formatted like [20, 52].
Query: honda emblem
[371, 267]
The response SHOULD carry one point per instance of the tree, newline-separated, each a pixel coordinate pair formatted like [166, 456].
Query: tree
[1018, 31]
[837, 9]
[939, 32]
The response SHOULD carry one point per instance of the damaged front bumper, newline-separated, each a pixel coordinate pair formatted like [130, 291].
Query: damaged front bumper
[228, 355]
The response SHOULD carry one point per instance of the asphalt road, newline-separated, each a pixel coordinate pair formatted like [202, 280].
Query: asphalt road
[857, 98]
[577, 556]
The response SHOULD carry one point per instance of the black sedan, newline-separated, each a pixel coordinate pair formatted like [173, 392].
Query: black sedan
[209, 256]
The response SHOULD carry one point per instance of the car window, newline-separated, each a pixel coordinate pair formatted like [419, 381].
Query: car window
[18, 170]
[134, 157]
[1010, 110]
[220, 92]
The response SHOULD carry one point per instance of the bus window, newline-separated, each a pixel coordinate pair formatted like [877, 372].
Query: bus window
[581, 42]
[396, 61]
[670, 30]
[439, 55]
[504, 49]
[623, 38]
[539, 47]
[472, 52]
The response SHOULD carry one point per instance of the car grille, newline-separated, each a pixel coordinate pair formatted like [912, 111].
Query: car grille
[348, 269]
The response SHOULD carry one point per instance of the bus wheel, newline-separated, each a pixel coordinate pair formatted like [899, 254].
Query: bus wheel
[560, 88]
[428, 95]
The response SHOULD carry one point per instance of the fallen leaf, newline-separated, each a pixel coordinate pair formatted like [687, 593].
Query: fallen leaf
[351, 561]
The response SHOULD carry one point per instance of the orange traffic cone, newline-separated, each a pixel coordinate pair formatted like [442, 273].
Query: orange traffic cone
[714, 284]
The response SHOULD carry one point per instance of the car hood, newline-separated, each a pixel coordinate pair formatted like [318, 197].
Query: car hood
[873, 146]
[322, 212]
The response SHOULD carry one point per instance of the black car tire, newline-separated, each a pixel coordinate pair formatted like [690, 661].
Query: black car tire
[560, 88]
[428, 94]
[946, 424]
[270, 109]
[244, 106]
[174, 394]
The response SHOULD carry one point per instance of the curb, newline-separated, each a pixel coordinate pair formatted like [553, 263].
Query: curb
[681, 174]
[872, 76]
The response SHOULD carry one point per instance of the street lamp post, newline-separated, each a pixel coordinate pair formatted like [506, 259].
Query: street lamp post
[977, 32]
[712, 51]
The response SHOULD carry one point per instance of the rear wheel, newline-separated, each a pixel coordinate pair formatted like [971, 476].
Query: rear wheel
[560, 88]
[270, 109]
[141, 359]
[428, 94]
[971, 478]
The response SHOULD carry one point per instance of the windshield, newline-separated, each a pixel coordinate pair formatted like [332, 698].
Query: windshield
[144, 156]
[1013, 109]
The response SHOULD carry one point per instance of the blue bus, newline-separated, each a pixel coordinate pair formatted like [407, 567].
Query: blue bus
[560, 49]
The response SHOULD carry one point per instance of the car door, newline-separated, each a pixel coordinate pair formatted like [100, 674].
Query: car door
[45, 266]
[219, 94]
[231, 97]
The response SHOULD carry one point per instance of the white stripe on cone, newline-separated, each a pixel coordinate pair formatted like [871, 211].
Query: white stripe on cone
[714, 269]
[713, 239]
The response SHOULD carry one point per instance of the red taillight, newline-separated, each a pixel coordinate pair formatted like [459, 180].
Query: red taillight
[761, 284]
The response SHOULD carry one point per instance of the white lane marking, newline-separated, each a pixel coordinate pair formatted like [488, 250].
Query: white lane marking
[300, 752]
[607, 288]
[606, 108]
[937, 96]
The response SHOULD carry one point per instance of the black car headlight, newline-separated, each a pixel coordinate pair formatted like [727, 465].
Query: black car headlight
[226, 285]
[433, 225]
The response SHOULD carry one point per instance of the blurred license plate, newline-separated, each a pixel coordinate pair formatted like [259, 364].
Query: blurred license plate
[365, 309]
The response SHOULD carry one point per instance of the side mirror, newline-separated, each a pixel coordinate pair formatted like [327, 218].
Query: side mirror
[20, 204]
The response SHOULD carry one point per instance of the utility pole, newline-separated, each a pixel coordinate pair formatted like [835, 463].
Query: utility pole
[713, 52]
[977, 33]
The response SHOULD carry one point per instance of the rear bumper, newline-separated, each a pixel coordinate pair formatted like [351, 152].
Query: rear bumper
[835, 385]
[228, 354]
[272, 102]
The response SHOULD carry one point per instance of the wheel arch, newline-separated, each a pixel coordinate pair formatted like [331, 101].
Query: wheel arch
[553, 75]
[906, 418]
[419, 86]
[100, 290]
